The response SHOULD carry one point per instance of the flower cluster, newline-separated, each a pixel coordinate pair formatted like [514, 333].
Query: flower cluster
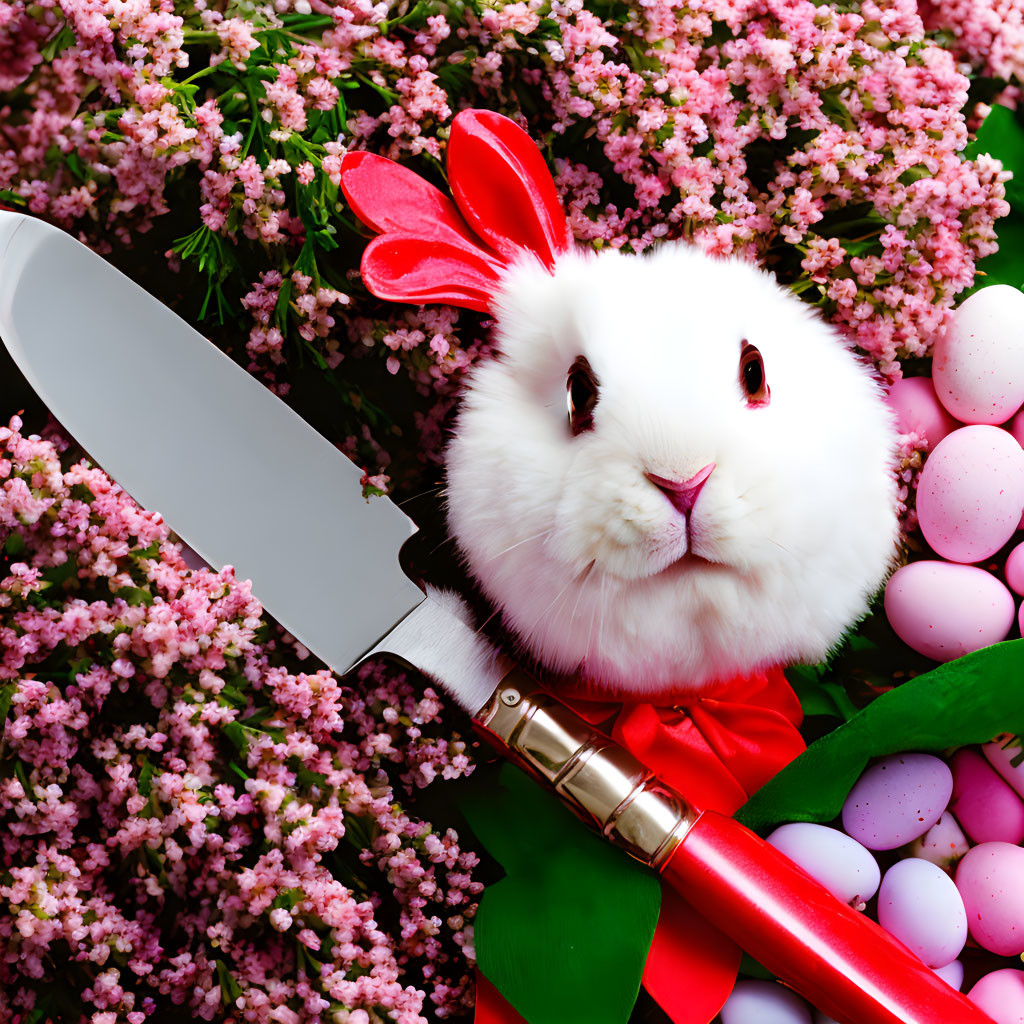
[823, 139]
[192, 814]
[987, 33]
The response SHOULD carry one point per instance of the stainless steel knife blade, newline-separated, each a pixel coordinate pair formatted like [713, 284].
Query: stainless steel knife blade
[231, 468]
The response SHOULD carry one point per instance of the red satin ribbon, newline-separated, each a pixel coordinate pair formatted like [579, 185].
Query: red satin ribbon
[716, 750]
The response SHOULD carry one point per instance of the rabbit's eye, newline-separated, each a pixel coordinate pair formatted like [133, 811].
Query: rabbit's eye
[752, 376]
[581, 390]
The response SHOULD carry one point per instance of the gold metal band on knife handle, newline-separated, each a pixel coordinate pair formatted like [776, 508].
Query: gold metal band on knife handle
[599, 780]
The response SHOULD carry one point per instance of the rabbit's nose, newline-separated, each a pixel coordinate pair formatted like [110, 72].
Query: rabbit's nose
[683, 493]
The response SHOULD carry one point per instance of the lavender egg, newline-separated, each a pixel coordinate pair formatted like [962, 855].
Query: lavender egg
[943, 610]
[971, 493]
[1000, 995]
[943, 844]
[986, 807]
[919, 905]
[835, 860]
[1007, 757]
[978, 365]
[764, 1002]
[989, 880]
[896, 800]
[952, 974]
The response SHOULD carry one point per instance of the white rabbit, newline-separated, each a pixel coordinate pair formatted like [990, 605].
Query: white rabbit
[717, 498]
[626, 390]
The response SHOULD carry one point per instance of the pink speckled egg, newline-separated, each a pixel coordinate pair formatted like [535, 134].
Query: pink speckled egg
[896, 800]
[989, 880]
[1000, 994]
[1016, 427]
[986, 807]
[978, 365]
[945, 610]
[1014, 569]
[971, 493]
[918, 410]
[1005, 755]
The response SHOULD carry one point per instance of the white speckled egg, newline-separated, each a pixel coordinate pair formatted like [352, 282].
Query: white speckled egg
[971, 493]
[918, 410]
[920, 905]
[764, 1002]
[978, 364]
[835, 860]
[943, 844]
[896, 800]
[944, 610]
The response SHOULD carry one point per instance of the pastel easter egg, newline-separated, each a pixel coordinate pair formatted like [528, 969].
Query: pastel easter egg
[764, 1002]
[989, 880]
[945, 610]
[839, 863]
[986, 807]
[918, 410]
[943, 844]
[1000, 995]
[978, 362]
[1013, 571]
[1016, 427]
[952, 973]
[919, 904]
[971, 493]
[896, 800]
[1007, 757]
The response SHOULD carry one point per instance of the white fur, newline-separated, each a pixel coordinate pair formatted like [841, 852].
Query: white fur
[795, 528]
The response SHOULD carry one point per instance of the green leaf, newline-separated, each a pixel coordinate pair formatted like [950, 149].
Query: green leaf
[1002, 137]
[146, 774]
[970, 700]
[15, 544]
[571, 909]
[6, 698]
[818, 696]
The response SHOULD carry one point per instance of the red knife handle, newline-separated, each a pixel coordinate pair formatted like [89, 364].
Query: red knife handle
[834, 956]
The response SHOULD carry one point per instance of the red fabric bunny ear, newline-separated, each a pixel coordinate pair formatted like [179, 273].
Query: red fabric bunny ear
[503, 187]
[427, 252]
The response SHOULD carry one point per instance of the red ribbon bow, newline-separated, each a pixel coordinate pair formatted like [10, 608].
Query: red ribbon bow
[716, 750]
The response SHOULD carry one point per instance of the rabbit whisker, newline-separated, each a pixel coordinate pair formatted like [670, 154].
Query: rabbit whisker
[525, 540]
[430, 490]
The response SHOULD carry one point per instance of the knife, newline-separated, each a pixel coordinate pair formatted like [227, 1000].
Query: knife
[186, 431]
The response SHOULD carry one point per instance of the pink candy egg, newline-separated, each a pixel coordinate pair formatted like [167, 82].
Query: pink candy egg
[1016, 427]
[971, 492]
[918, 410]
[1008, 759]
[944, 610]
[835, 860]
[764, 1002]
[896, 800]
[1014, 569]
[943, 844]
[990, 882]
[986, 807]
[1000, 995]
[919, 904]
[978, 366]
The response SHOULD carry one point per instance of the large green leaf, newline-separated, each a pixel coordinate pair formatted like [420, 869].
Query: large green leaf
[564, 936]
[1002, 136]
[969, 700]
